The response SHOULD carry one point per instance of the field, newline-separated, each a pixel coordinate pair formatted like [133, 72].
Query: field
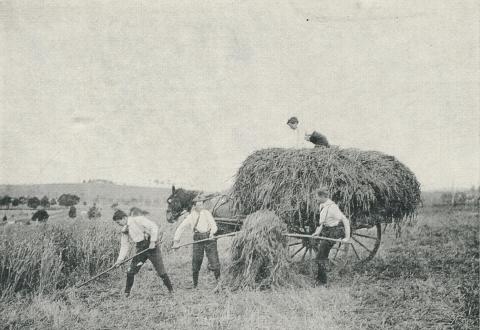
[427, 278]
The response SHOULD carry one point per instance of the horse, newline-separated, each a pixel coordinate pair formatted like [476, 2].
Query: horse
[220, 205]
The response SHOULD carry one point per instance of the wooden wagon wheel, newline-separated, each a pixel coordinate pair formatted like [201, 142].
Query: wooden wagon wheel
[365, 244]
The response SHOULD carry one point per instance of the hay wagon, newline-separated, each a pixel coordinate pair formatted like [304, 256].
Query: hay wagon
[371, 188]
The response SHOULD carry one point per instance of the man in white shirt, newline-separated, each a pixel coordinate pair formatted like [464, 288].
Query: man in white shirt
[333, 224]
[314, 137]
[203, 226]
[292, 122]
[144, 233]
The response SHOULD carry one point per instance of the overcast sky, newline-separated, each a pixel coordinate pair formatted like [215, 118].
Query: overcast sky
[184, 91]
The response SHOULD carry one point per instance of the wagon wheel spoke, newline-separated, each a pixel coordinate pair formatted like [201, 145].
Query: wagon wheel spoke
[366, 236]
[362, 245]
[354, 250]
[368, 240]
[303, 257]
[293, 244]
[385, 228]
[296, 252]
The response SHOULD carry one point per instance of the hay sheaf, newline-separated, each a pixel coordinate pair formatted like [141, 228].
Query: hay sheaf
[370, 187]
[259, 255]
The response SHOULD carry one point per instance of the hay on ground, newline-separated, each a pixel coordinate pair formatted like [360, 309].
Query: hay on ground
[259, 255]
[370, 187]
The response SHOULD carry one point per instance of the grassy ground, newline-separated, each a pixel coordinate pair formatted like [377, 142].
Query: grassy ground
[427, 278]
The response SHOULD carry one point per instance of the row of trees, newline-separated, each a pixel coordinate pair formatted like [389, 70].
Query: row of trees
[33, 202]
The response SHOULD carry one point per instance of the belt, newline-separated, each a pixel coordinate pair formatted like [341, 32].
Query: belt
[199, 232]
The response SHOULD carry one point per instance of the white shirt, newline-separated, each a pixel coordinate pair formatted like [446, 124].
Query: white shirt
[206, 223]
[330, 214]
[298, 137]
[137, 229]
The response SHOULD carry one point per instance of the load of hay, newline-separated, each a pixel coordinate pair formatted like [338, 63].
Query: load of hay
[370, 187]
[259, 255]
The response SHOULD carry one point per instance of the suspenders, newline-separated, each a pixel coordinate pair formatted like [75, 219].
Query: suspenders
[196, 221]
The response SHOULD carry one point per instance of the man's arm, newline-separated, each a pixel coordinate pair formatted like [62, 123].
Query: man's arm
[318, 230]
[181, 228]
[124, 247]
[346, 225]
[153, 228]
[213, 224]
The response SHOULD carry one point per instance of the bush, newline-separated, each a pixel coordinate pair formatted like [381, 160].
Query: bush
[33, 202]
[68, 200]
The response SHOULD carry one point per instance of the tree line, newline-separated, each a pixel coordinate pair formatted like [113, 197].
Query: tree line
[66, 200]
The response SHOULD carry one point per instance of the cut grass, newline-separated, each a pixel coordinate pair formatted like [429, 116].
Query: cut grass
[428, 278]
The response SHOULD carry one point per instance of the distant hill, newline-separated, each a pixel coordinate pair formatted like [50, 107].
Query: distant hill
[91, 192]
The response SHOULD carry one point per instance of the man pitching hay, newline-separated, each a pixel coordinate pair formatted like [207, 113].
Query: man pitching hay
[203, 225]
[333, 224]
[144, 233]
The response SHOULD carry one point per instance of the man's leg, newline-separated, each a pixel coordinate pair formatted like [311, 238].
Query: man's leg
[155, 257]
[197, 259]
[212, 256]
[135, 266]
[322, 261]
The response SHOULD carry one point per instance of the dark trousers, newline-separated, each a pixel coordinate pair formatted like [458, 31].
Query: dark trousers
[155, 256]
[324, 248]
[199, 250]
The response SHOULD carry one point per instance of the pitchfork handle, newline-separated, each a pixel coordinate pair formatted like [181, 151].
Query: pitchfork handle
[317, 237]
[111, 268]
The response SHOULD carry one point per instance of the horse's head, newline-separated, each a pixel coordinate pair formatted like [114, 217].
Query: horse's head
[180, 200]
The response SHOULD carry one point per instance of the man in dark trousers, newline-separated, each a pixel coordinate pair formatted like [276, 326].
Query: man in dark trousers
[332, 224]
[203, 226]
[145, 234]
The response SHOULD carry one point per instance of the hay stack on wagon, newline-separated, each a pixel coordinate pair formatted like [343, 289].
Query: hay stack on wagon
[370, 187]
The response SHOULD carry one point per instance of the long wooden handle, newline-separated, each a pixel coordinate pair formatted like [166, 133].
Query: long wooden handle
[204, 240]
[317, 237]
[111, 268]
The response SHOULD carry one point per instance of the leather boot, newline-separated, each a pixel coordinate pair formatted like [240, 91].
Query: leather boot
[195, 279]
[322, 273]
[166, 281]
[129, 284]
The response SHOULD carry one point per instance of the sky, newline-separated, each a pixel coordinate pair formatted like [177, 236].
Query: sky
[183, 91]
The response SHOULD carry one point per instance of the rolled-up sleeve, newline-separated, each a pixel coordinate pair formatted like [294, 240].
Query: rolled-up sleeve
[212, 223]
[124, 247]
[337, 213]
[151, 226]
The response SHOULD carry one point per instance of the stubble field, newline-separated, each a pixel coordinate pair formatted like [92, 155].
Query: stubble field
[427, 278]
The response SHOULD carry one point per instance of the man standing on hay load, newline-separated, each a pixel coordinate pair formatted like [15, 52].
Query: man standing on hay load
[145, 234]
[332, 224]
[203, 225]
[319, 140]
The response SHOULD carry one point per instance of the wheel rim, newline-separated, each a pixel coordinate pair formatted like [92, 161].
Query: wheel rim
[365, 244]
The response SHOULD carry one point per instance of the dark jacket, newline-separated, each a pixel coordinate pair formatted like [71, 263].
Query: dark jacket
[319, 139]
